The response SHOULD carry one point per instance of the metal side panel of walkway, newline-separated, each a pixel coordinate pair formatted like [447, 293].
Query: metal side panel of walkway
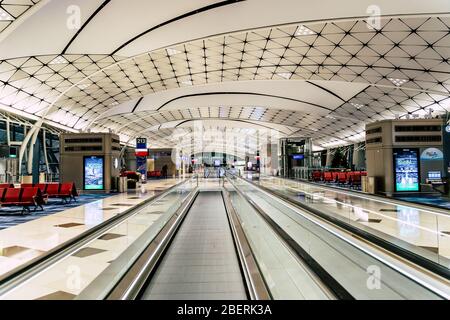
[201, 262]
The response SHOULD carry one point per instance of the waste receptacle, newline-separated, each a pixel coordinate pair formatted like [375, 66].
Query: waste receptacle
[123, 185]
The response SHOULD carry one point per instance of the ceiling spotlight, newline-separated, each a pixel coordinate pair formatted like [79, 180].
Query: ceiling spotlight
[397, 82]
[172, 52]
[357, 105]
[59, 60]
[285, 75]
[5, 16]
[115, 103]
[330, 117]
[304, 31]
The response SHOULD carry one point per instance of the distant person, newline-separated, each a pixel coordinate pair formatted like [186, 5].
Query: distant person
[164, 171]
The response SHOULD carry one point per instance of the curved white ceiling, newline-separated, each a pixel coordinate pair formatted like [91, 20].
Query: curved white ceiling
[316, 96]
[246, 60]
[119, 21]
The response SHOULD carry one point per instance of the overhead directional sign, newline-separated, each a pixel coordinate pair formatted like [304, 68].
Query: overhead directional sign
[141, 147]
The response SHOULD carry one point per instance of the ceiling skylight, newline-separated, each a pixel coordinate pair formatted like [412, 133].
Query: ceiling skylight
[285, 75]
[357, 105]
[59, 60]
[83, 86]
[304, 31]
[187, 82]
[5, 16]
[398, 82]
[171, 51]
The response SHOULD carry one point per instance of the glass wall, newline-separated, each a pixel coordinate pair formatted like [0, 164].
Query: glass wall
[9, 150]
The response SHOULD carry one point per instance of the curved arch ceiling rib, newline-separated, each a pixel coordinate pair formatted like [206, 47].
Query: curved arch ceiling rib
[401, 68]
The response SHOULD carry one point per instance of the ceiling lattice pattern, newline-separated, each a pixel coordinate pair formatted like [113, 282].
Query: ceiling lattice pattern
[304, 124]
[405, 64]
[10, 10]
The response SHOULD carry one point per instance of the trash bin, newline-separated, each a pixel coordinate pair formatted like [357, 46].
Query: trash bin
[123, 185]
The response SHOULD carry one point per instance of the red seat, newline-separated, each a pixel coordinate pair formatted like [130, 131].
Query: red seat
[317, 175]
[342, 177]
[335, 176]
[42, 187]
[2, 193]
[30, 196]
[327, 176]
[350, 176]
[26, 185]
[12, 196]
[64, 191]
[6, 185]
[52, 189]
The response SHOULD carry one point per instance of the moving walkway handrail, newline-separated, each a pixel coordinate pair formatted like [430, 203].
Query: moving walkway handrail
[417, 259]
[436, 290]
[323, 278]
[131, 284]
[28, 270]
[256, 286]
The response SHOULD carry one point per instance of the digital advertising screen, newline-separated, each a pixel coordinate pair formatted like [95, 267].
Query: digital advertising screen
[406, 166]
[94, 171]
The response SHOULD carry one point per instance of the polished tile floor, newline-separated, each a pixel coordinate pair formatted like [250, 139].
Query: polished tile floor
[10, 217]
[24, 242]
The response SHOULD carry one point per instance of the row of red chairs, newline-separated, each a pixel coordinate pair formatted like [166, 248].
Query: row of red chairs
[24, 197]
[352, 178]
[154, 174]
[65, 191]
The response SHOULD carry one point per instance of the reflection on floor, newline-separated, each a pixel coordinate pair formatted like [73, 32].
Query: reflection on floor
[29, 240]
[434, 201]
[10, 217]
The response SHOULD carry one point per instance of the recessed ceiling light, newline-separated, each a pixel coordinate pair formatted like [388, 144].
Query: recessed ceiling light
[398, 82]
[357, 105]
[5, 16]
[187, 82]
[59, 60]
[304, 31]
[171, 51]
[83, 86]
[115, 103]
[285, 75]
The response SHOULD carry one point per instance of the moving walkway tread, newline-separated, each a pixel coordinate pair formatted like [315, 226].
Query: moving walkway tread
[201, 262]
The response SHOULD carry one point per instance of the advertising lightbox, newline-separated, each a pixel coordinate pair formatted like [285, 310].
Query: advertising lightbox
[94, 173]
[406, 166]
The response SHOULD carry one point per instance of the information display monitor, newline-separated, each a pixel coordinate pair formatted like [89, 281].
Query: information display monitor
[406, 166]
[94, 173]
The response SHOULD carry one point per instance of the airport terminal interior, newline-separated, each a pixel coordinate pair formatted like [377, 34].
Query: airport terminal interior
[224, 150]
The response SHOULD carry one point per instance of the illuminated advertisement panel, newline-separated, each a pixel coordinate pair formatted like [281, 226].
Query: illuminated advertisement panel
[406, 166]
[94, 172]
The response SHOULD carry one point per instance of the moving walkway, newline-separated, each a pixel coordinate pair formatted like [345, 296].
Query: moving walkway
[235, 241]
